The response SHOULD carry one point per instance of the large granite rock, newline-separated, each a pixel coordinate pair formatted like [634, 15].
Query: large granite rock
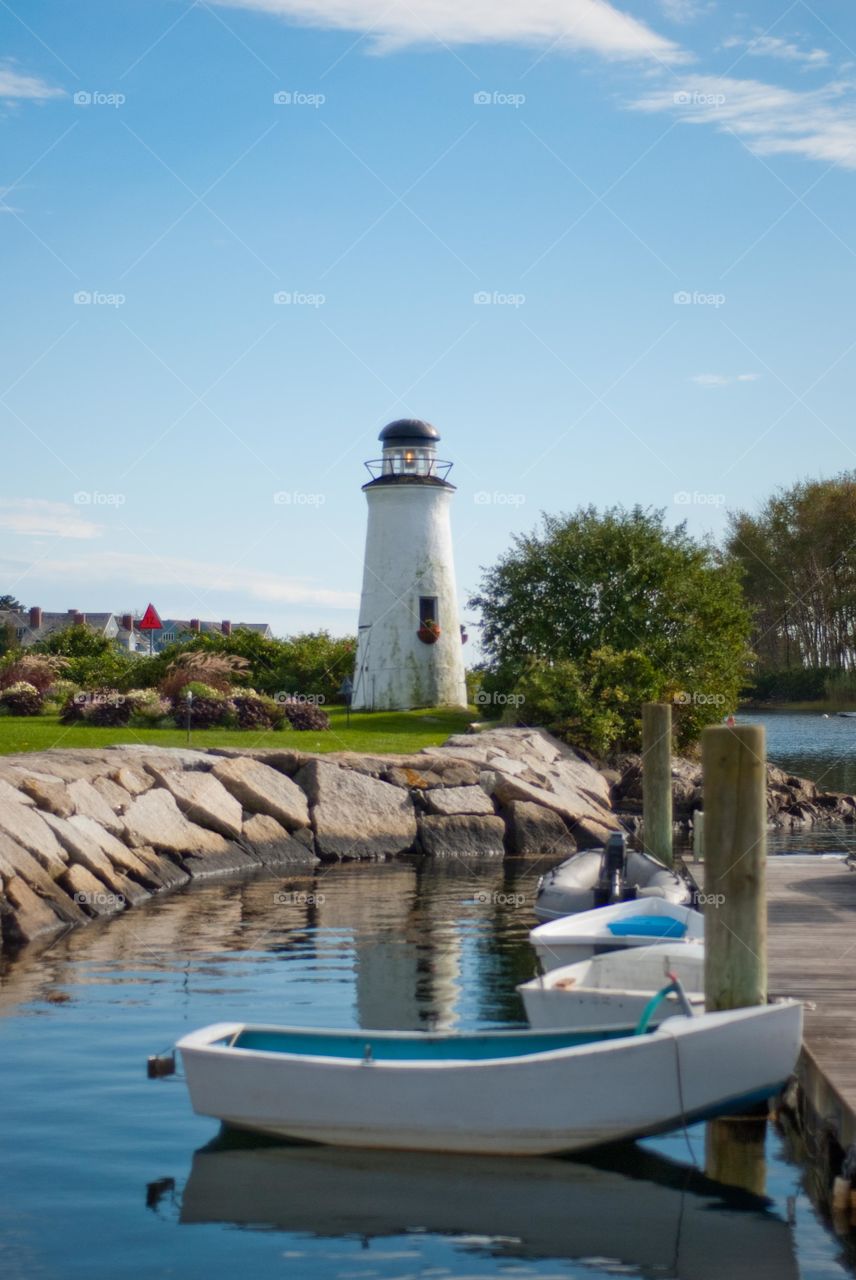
[536, 832]
[91, 893]
[462, 836]
[87, 801]
[269, 841]
[439, 773]
[25, 825]
[223, 862]
[449, 800]
[16, 862]
[155, 819]
[203, 799]
[49, 794]
[85, 842]
[24, 916]
[261, 789]
[355, 815]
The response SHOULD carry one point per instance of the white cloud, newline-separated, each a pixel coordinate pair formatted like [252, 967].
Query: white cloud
[36, 518]
[722, 379]
[106, 569]
[818, 124]
[685, 10]
[776, 47]
[19, 87]
[592, 25]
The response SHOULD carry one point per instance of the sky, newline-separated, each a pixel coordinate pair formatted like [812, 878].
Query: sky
[608, 249]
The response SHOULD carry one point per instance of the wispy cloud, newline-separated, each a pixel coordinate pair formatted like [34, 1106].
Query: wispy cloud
[37, 518]
[722, 379]
[775, 47]
[589, 25]
[20, 88]
[194, 578]
[818, 124]
[686, 10]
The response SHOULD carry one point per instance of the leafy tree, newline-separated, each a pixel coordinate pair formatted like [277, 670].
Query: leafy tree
[798, 558]
[639, 610]
[93, 660]
[10, 603]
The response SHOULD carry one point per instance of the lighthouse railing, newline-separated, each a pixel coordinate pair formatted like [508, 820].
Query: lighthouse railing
[397, 465]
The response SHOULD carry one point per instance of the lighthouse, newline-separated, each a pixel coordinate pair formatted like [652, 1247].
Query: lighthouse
[409, 649]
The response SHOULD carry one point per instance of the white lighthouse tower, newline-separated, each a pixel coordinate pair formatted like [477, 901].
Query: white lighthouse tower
[409, 651]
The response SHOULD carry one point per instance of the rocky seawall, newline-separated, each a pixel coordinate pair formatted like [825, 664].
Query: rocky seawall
[85, 834]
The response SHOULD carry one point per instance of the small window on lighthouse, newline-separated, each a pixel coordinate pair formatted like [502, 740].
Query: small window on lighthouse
[428, 610]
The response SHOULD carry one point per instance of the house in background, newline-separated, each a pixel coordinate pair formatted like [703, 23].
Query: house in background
[33, 625]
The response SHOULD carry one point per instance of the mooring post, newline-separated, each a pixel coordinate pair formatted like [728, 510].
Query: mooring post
[735, 920]
[735, 866]
[657, 780]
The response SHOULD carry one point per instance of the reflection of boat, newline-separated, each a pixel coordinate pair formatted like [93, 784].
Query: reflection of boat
[637, 1208]
[612, 991]
[495, 1092]
[626, 924]
[846, 715]
[599, 877]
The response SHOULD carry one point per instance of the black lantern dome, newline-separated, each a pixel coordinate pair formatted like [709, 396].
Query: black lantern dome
[409, 455]
[408, 430]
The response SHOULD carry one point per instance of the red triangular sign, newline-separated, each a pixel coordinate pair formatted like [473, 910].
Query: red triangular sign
[150, 620]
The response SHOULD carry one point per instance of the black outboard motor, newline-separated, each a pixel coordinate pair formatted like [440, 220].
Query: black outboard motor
[612, 882]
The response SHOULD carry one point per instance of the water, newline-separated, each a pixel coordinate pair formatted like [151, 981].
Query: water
[107, 1174]
[821, 749]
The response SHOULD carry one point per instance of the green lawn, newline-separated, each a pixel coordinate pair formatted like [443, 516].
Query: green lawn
[378, 731]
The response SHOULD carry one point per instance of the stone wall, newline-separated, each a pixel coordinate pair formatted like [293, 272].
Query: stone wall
[85, 834]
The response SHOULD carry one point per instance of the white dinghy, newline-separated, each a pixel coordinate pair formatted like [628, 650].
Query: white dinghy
[611, 992]
[600, 877]
[489, 1093]
[627, 924]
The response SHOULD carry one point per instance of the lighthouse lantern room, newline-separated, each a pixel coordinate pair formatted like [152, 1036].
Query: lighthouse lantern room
[409, 649]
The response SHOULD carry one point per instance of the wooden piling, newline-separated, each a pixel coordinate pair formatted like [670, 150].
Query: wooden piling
[657, 780]
[735, 843]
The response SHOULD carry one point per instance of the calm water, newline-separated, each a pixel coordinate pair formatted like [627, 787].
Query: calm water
[107, 1174]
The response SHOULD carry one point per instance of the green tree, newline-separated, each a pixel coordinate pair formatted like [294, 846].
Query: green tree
[641, 611]
[10, 603]
[798, 558]
[93, 660]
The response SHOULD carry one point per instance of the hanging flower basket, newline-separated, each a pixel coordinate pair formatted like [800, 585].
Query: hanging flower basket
[429, 632]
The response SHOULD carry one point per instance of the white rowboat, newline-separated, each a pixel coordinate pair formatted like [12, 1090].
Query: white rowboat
[489, 1093]
[612, 991]
[640, 923]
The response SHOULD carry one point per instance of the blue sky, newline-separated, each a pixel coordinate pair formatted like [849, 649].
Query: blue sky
[607, 249]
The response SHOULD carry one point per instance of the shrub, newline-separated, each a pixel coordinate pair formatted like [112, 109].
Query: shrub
[305, 715]
[59, 693]
[107, 708]
[148, 708]
[38, 670]
[252, 712]
[22, 699]
[216, 670]
[207, 709]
